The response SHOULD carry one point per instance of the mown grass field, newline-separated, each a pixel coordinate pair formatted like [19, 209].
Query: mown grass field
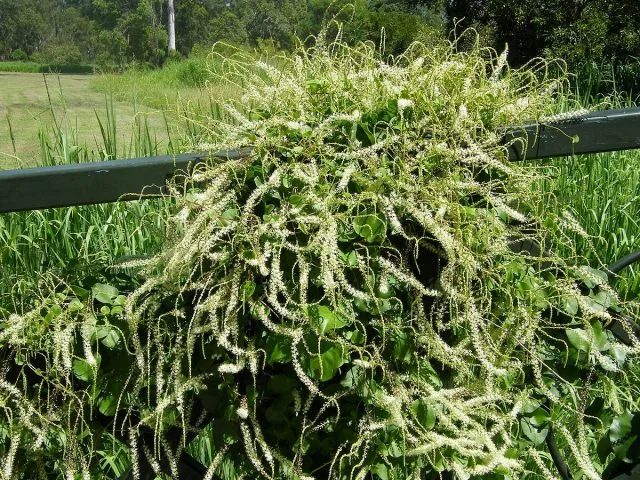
[31, 103]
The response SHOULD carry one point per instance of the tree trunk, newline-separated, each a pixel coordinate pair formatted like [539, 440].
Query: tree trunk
[171, 26]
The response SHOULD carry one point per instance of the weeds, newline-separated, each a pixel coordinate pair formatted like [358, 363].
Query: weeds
[166, 88]
[349, 293]
[346, 301]
[601, 190]
[62, 241]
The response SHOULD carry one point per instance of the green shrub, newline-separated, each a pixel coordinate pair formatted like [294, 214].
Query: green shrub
[67, 68]
[192, 73]
[33, 67]
[347, 300]
[227, 27]
[174, 56]
[22, 67]
[398, 28]
[59, 54]
[19, 55]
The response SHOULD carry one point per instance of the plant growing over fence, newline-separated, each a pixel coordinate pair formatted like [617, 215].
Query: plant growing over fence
[347, 302]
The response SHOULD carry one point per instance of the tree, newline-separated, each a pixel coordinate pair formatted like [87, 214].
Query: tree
[171, 25]
[24, 25]
[116, 32]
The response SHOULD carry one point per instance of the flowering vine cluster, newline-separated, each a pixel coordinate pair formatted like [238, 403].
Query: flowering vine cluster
[350, 299]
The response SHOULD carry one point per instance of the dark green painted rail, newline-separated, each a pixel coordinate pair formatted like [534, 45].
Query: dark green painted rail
[594, 132]
[97, 182]
[132, 179]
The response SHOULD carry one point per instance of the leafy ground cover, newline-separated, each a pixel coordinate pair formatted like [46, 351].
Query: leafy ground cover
[349, 295]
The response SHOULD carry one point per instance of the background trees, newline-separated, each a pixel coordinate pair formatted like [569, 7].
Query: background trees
[118, 32]
[23, 26]
[582, 32]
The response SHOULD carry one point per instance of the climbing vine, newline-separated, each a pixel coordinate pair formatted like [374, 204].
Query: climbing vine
[374, 292]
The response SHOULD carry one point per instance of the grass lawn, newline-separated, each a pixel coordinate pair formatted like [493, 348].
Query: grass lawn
[26, 108]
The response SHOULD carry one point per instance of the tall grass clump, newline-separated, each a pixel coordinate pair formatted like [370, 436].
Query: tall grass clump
[599, 190]
[349, 301]
[163, 88]
[65, 242]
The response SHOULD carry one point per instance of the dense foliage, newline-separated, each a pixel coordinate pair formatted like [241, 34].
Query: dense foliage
[117, 32]
[349, 301]
[582, 32]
